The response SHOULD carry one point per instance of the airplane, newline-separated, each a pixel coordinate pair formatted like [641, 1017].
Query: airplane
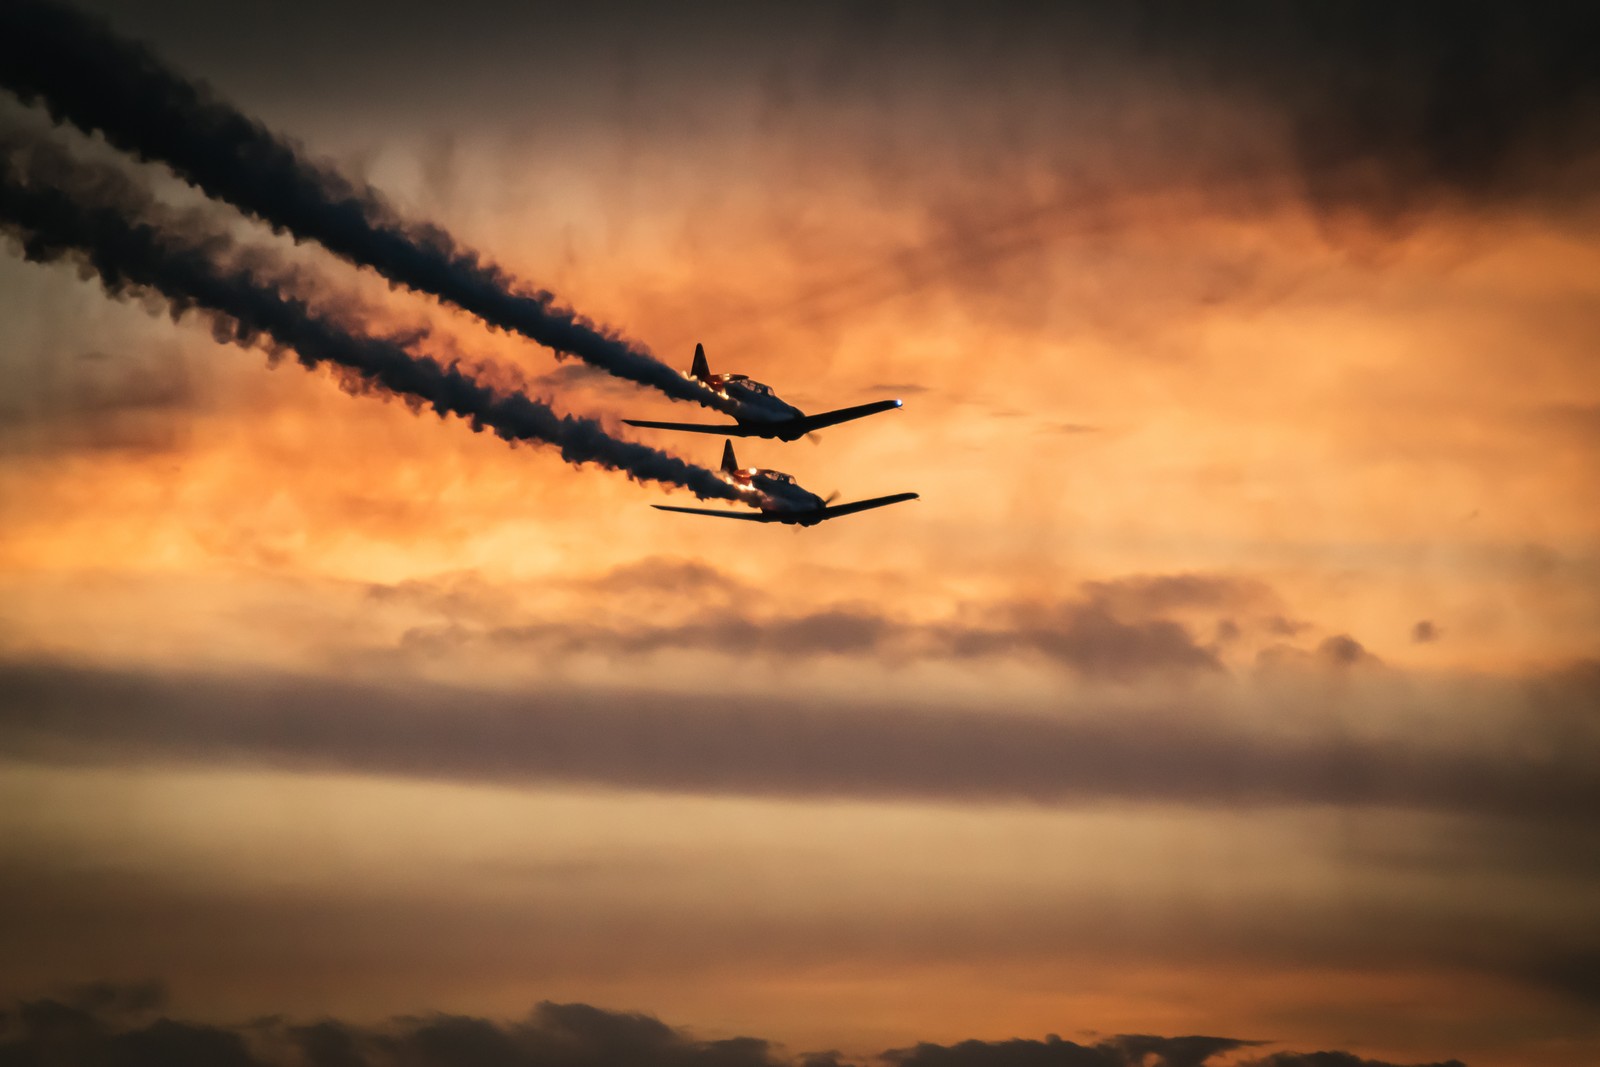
[782, 499]
[762, 413]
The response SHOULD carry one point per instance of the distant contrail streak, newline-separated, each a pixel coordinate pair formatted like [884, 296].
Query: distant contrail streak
[87, 75]
[58, 209]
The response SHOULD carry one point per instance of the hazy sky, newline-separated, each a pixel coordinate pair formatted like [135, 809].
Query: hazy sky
[1237, 673]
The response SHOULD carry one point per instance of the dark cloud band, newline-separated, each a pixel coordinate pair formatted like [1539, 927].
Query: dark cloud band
[633, 740]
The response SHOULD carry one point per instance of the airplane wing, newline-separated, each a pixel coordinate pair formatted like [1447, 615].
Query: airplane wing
[836, 510]
[788, 429]
[755, 516]
[692, 427]
[807, 423]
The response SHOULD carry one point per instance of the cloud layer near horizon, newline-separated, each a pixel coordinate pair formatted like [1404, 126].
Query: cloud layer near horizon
[108, 1024]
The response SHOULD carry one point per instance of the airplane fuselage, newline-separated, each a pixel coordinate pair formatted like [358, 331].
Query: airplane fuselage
[780, 498]
[757, 402]
[781, 494]
[756, 410]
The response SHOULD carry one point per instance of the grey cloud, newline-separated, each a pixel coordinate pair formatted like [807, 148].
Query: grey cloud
[54, 1032]
[681, 577]
[552, 1035]
[789, 747]
[562, 1035]
[1344, 651]
[1424, 632]
[1149, 594]
[1138, 1050]
[328, 1044]
[1090, 639]
[1393, 110]
[461, 597]
[1334, 1059]
[447, 594]
[1085, 638]
[468, 592]
[1192, 1051]
[1473, 101]
[1337, 652]
[1111, 630]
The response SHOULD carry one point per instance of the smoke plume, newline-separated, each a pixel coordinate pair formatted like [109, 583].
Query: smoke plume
[58, 209]
[88, 76]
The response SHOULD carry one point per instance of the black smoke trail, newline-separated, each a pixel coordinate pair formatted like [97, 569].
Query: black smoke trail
[88, 76]
[57, 209]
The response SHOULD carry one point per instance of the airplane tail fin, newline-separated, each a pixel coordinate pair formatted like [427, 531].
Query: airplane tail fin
[701, 368]
[729, 464]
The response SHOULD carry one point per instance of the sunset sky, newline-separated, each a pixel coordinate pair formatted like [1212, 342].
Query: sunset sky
[1236, 674]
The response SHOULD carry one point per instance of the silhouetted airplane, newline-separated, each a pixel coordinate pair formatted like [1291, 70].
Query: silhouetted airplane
[762, 413]
[782, 499]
